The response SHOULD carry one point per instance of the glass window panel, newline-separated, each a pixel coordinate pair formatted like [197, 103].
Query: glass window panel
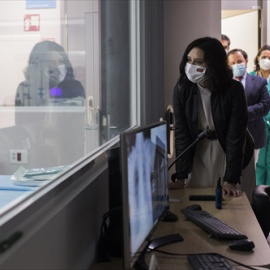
[66, 87]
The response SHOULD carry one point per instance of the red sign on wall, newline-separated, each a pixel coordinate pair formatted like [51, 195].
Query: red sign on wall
[31, 22]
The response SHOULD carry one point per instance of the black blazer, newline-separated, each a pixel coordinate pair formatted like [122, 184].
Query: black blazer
[258, 101]
[230, 116]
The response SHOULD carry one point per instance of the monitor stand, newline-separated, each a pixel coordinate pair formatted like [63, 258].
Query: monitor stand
[154, 244]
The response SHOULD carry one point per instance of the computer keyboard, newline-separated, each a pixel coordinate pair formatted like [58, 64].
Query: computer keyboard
[214, 226]
[209, 261]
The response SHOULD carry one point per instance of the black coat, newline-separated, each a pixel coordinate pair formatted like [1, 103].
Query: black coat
[230, 116]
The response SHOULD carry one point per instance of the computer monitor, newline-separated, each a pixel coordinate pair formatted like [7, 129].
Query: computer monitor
[145, 194]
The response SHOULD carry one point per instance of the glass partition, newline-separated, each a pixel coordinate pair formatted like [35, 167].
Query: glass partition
[66, 87]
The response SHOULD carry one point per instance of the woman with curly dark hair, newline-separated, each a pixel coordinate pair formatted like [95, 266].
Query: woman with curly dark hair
[207, 97]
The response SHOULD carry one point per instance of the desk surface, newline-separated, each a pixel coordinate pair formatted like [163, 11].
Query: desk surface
[237, 212]
[11, 194]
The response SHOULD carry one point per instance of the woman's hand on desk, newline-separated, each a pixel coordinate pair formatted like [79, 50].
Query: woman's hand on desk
[231, 190]
[178, 184]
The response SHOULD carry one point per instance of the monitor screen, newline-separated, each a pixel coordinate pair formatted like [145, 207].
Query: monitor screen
[145, 195]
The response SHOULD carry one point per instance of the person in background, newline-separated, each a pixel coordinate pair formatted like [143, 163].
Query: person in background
[257, 95]
[49, 78]
[262, 69]
[207, 97]
[226, 42]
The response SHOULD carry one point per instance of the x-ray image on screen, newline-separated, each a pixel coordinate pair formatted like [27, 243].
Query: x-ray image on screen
[145, 163]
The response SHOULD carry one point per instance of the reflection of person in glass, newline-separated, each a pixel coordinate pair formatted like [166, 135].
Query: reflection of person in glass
[50, 104]
[49, 78]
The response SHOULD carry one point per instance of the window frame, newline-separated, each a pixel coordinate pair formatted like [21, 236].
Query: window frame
[94, 163]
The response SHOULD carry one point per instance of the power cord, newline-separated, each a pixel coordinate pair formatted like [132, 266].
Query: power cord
[111, 238]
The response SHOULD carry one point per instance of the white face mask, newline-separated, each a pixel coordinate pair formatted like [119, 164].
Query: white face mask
[195, 73]
[63, 72]
[264, 64]
[57, 74]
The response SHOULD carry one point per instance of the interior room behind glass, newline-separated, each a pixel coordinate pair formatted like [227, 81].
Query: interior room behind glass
[60, 97]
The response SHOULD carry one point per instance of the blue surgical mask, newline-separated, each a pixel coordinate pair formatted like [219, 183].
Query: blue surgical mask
[239, 69]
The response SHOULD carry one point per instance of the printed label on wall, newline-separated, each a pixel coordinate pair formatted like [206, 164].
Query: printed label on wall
[35, 4]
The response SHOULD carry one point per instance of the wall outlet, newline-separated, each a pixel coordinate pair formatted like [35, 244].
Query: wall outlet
[19, 156]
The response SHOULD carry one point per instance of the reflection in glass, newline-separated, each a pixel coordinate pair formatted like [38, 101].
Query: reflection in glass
[50, 106]
[68, 102]
[49, 78]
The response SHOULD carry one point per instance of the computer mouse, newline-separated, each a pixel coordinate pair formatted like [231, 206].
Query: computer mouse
[194, 207]
[242, 245]
[170, 217]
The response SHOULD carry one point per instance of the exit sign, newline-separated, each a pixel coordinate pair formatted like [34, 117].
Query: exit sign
[31, 22]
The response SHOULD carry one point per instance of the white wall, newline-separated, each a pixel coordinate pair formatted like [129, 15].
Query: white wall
[267, 21]
[185, 21]
[243, 33]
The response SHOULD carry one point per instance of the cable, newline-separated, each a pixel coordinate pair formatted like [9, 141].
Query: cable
[105, 239]
[204, 134]
[183, 153]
